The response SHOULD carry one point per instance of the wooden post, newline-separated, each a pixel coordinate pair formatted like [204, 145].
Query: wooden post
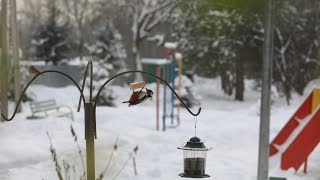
[179, 86]
[15, 48]
[4, 59]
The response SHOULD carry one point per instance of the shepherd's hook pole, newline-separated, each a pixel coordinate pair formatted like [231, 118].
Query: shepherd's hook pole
[89, 108]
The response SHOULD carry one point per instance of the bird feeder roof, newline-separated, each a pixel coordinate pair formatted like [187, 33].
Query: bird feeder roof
[195, 144]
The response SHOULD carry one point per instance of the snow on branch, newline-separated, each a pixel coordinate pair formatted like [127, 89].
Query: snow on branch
[161, 6]
[53, 49]
[76, 8]
[163, 16]
[158, 37]
[147, 14]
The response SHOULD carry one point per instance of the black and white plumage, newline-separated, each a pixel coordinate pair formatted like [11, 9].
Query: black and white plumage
[139, 97]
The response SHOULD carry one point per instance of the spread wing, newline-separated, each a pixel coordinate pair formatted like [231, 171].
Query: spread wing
[133, 98]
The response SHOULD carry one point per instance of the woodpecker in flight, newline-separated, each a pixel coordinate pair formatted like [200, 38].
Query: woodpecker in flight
[139, 97]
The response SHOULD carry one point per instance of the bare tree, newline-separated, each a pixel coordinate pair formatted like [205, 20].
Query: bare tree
[296, 45]
[147, 15]
[77, 10]
[282, 64]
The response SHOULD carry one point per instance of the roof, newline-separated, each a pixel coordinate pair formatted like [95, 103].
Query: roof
[155, 61]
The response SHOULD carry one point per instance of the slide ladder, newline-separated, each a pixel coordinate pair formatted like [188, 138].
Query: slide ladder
[307, 139]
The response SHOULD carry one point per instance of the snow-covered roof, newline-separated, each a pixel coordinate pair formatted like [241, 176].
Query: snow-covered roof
[33, 63]
[170, 45]
[178, 56]
[156, 61]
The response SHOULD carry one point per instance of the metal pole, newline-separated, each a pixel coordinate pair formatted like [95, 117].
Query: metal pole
[263, 162]
[164, 116]
[158, 86]
[89, 112]
[173, 77]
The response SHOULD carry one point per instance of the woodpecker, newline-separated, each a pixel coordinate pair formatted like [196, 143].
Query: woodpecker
[138, 97]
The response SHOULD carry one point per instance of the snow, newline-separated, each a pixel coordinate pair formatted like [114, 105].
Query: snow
[230, 127]
[40, 41]
[178, 56]
[170, 45]
[156, 61]
[32, 63]
[159, 38]
[218, 13]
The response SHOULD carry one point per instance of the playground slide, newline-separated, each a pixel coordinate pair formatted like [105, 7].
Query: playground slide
[304, 143]
[303, 111]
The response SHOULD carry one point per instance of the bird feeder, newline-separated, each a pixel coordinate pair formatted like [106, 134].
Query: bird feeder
[194, 155]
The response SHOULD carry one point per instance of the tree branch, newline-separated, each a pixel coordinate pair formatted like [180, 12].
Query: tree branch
[164, 15]
[279, 35]
[161, 6]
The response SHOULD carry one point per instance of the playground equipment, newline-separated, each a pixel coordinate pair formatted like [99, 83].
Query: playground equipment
[305, 123]
[169, 68]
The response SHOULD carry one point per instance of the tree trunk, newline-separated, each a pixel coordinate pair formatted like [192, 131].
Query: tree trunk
[80, 47]
[239, 80]
[137, 60]
[4, 58]
[287, 91]
[16, 63]
[223, 77]
[226, 80]
[300, 83]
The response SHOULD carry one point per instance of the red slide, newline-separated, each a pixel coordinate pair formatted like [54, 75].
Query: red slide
[305, 142]
[303, 111]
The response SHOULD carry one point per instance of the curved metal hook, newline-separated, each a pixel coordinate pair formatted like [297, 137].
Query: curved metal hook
[84, 81]
[143, 72]
[29, 83]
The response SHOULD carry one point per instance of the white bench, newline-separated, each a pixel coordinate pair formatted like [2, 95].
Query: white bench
[42, 109]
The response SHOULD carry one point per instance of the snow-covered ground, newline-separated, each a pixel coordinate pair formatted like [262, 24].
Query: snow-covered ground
[231, 128]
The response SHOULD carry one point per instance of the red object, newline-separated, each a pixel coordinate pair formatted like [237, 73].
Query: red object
[298, 151]
[134, 97]
[301, 113]
[166, 52]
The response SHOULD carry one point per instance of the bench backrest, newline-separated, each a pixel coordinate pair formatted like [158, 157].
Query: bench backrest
[43, 106]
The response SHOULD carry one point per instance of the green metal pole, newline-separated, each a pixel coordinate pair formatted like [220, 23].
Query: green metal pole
[90, 136]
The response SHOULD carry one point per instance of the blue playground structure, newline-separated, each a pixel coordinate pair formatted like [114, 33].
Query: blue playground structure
[168, 68]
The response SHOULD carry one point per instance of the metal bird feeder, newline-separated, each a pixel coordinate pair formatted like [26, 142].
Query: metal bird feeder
[194, 156]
